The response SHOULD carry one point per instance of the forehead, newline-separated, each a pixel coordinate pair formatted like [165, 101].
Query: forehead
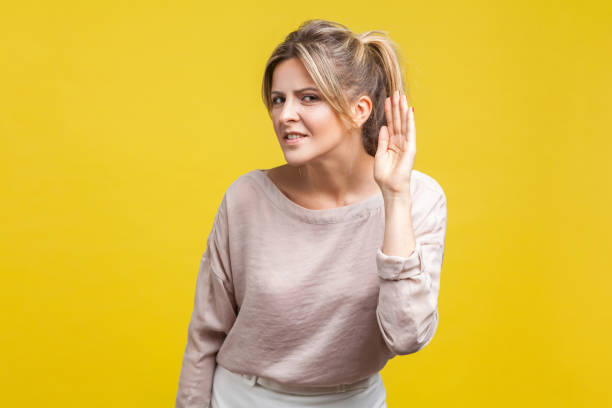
[291, 74]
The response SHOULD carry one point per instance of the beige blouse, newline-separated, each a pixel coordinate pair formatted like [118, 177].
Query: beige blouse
[307, 297]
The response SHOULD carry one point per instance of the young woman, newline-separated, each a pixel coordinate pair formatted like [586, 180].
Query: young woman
[317, 272]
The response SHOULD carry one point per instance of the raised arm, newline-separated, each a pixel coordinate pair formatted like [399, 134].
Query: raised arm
[410, 260]
[407, 311]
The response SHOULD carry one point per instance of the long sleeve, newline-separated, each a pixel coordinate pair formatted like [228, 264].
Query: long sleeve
[214, 313]
[407, 311]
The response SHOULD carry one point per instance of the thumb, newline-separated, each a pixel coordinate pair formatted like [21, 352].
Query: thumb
[383, 140]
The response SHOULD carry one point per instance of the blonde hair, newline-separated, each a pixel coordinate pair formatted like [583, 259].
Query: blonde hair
[344, 66]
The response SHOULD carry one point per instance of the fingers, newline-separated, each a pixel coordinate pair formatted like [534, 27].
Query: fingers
[411, 131]
[388, 115]
[398, 119]
[405, 121]
[383, 140]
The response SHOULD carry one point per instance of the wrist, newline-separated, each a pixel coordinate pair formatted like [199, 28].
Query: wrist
[397, 199]
[394, 194]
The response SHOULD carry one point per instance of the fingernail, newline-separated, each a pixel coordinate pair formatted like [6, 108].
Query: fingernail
[412, 107]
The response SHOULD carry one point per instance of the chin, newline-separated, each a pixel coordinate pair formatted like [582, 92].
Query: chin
[294, 161]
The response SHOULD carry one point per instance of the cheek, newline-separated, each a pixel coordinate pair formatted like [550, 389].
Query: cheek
[322, 121]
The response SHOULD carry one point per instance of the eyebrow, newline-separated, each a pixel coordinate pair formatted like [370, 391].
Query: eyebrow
[298, 90]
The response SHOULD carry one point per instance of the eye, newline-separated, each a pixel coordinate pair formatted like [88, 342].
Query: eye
[275, 100]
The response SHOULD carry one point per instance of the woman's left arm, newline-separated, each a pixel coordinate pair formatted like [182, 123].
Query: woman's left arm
[407, 311]
[410, 260]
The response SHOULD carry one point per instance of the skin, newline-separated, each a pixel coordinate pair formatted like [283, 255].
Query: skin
[330, 167]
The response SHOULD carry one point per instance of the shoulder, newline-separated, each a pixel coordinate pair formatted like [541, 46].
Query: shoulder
[428, 201]
[240, 191]
[242, 181]
[428, 204]
[246, 188]
[423, 184]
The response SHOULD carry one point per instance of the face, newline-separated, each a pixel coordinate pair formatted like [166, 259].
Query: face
[298, 106]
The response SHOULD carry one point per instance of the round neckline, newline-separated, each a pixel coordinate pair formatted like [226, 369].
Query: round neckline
[354, 211]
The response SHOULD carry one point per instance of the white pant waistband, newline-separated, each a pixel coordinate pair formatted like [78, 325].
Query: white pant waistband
[309, 390]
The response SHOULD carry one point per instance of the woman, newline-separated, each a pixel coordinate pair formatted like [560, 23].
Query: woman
[319, 271]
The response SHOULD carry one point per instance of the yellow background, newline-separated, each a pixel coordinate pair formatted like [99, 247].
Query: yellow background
[122, 124]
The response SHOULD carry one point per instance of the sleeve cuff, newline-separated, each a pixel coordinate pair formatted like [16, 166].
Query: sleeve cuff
[393, 267]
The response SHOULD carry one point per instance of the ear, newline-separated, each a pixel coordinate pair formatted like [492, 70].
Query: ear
[362, 108]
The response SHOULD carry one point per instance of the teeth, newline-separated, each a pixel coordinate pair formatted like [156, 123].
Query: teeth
[294, 136]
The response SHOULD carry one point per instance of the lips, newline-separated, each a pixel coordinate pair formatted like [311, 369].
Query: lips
[293, 133]
[296, 141]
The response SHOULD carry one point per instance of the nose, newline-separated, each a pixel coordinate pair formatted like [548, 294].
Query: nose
[289, 112]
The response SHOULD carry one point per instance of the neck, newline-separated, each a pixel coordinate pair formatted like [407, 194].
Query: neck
[348, 177]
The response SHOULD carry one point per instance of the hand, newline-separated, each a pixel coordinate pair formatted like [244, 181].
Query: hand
[394, 157]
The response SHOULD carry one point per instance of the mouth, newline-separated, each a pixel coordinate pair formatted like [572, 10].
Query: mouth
[293, 138]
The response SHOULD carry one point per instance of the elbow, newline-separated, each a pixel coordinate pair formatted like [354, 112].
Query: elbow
[411, 341]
